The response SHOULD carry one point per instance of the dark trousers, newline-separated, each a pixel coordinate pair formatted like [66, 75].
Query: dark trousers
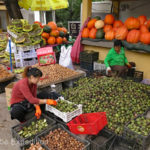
[119, 71]
[24, 110]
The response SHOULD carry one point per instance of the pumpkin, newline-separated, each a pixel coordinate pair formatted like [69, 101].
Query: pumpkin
[147, 23]
[59, 40]
[100, 34]
[92, 33]
[121, 33]
[52, 25]
[133, 36]
[115, 29]
[142, 19]
[117, 24]
[64, 40]
[109, 19]
[110, 35]
[85, 33]
[145, 38]
[107, 28]
[64, 30]
[143, 29]
[45, 35]
[91, 23]
[47, 29]
[54, 33]
[132, 23]
[99, 24]
[51, 40]
[61, 34]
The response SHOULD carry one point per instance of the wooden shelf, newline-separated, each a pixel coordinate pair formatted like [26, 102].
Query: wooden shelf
[107, 44]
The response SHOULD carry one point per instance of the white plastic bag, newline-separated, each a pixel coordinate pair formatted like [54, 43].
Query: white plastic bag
[13, 48]
[65, 57]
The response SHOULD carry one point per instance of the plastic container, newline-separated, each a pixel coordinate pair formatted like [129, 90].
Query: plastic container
[85, 142]
[26, 54]
[27, 62]
[138, 76]
[89, 56]
[99, 66]
[87, 66]
[16, 129]
[27, 48]
[102, 141]
[89, 123]
[143, 141]
[122, 144]
[27, 146]
[65, 116]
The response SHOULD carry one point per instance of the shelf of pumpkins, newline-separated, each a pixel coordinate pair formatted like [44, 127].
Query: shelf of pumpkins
[54, 33]
[133, 30]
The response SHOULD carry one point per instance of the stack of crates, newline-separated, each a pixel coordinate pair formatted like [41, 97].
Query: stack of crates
[25, 58]
[87, 58]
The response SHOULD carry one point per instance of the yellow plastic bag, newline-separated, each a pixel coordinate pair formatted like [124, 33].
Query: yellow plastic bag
[42, 5]
[59, 4]
[25, 3]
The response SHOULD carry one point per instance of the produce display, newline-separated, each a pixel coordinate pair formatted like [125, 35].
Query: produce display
[53, 73]
[54, 33]
[36, 146]
[33, 129]
[61, 140]
[18, 71]
[133, 30]
[26, 34]
[3, 41]
[122, 100]
[64, 106]
[4, 73]
[141, 126]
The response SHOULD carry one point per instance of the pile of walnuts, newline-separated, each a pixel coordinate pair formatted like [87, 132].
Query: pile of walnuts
[61, 140]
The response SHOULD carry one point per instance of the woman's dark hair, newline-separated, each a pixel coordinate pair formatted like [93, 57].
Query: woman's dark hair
[29, 71]
[118, 43]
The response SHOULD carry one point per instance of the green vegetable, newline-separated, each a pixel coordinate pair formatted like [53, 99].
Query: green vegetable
[33, 129]
[47, 29]
[100, 34]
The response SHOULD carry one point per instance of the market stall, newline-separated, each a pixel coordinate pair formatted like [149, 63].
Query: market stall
[142, 59]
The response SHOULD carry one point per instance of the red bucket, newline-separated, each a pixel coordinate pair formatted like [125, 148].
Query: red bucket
[89, 123]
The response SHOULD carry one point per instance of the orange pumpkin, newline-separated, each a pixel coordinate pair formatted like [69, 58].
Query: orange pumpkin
[107, 28]
[115, 29]
[64, 30]
[110, 35]
[65, 40]
[132, 23]
[92, 33]
[143, 29]
[109, 19]
[121, 33]
[142, 19]
[51, 40]
[147, 23]
[54, 33]
[91, 23]
[145, 38]
[45, 35]
[85, 33]
[52, 25]
[133, 36]
[117, 24]
[59, 40]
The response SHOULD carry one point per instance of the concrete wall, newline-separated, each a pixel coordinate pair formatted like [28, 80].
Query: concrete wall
[134, 8]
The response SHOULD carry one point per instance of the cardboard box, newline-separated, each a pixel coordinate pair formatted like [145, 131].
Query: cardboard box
[8, 91]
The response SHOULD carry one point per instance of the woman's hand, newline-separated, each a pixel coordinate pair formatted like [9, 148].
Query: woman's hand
[38, 111]
[51, 102]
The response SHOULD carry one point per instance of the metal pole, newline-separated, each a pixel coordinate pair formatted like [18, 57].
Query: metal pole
[53, 16]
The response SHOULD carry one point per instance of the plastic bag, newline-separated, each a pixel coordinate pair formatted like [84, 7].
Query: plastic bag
[65, 57]
[13, 48]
